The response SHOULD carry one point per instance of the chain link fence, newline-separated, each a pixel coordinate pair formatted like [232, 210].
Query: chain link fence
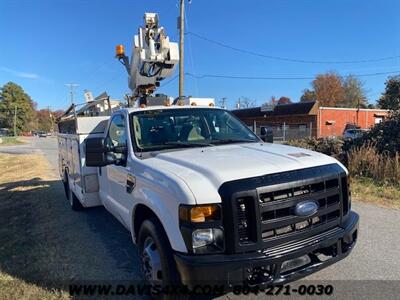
[281, 132]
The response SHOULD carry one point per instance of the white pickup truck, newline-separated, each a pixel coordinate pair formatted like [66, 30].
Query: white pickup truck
[205, 199]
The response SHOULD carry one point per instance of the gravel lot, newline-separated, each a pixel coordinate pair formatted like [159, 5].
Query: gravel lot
[373, 268]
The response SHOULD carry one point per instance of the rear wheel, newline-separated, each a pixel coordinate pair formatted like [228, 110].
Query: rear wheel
[66, 185]
[72, 199]
[157, 262]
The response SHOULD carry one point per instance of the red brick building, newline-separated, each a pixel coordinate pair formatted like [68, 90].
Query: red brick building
[308, 119]
[332, 120]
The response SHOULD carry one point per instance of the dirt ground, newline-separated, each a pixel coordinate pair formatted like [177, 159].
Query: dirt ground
[43, 244]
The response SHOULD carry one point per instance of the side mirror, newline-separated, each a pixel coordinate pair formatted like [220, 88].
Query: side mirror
[100, 152]
[266, 135]
[263, 131]
[95, 152]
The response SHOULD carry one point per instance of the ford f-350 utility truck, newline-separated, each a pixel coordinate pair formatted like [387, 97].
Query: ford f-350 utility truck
[204, 198]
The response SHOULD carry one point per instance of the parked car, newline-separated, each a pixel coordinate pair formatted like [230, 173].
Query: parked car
[5, 132]
[42, 134]
[354, 133]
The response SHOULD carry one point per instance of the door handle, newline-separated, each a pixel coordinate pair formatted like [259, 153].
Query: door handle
[130, 183]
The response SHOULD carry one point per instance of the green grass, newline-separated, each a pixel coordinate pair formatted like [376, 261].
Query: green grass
[10, 141]
[367, 190]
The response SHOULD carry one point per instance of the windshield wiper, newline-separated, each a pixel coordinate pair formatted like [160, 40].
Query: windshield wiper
[231, 141]
[188, 144]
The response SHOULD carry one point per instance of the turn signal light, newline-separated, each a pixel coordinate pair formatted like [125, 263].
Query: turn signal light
[200, 214]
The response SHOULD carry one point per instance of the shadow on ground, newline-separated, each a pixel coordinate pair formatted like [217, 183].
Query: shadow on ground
[44, 242]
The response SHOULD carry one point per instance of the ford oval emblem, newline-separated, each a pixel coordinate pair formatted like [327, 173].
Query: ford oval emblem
[306, 208]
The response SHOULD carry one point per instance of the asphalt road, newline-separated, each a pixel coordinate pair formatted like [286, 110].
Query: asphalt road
[373, 268]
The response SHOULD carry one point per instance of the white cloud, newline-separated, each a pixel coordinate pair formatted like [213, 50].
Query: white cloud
[20, 74]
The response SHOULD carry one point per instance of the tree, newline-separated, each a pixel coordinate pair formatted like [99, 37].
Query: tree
[390, 99]
[284, 100]
[308, 95]
[15, 103]
[328, 89]
[245, 102]
[45, 120]
[354, 93]
[271, 103]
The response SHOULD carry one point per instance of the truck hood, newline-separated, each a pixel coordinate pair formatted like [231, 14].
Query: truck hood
[205, 169]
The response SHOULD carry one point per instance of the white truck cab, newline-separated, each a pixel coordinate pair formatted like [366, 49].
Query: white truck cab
[201, 194]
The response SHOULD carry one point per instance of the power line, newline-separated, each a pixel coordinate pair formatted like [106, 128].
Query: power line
[288, 59]
[171, 80]
[201, 76]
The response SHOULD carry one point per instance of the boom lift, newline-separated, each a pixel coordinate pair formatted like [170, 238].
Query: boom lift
[154, 58]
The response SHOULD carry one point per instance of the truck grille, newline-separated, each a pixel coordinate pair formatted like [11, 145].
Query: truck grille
[277, 208]
[263, 208]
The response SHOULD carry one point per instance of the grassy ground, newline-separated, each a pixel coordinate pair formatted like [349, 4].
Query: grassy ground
[367, 190]
[20, 250]
[45, 246]
[10, 141]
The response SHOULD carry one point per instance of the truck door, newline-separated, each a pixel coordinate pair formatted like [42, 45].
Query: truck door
[117, 175]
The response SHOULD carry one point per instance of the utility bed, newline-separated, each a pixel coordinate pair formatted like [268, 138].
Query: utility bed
[74, 128]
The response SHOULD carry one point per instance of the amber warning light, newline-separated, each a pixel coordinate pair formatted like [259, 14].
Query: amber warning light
[119, 51]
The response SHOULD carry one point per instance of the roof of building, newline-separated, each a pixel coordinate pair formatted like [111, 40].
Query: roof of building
[299, 108]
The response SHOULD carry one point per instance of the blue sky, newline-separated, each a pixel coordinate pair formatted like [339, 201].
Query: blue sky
[46, 43]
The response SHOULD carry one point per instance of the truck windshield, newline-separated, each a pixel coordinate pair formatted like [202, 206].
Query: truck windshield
[155, 130]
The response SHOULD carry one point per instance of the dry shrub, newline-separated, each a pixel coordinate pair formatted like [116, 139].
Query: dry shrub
[366, 161]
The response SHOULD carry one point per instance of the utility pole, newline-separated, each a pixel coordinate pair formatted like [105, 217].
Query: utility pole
[358, 110]
[223, 100]
[181, 48]
[51, 118]
[71, 87]
[15, 119]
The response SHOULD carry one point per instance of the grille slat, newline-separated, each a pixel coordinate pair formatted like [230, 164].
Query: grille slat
[271, 206]
[271, 224]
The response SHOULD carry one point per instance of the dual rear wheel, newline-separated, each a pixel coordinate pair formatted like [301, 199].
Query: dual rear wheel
[69, 194]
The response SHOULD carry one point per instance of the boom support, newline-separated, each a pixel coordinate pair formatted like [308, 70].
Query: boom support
[154, 58]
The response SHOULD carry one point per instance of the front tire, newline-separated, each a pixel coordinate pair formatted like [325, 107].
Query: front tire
[157, 262]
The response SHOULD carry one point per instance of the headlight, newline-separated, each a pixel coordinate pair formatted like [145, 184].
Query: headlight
[213, 237]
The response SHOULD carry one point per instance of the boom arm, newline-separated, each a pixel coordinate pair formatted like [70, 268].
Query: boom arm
[154, 57]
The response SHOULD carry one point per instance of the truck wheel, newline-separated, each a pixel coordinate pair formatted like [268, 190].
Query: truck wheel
[157, 262]
[73, 200]
[66, 185]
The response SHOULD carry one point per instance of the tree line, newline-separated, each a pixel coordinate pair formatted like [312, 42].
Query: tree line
[332, 90]
[18, 111]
